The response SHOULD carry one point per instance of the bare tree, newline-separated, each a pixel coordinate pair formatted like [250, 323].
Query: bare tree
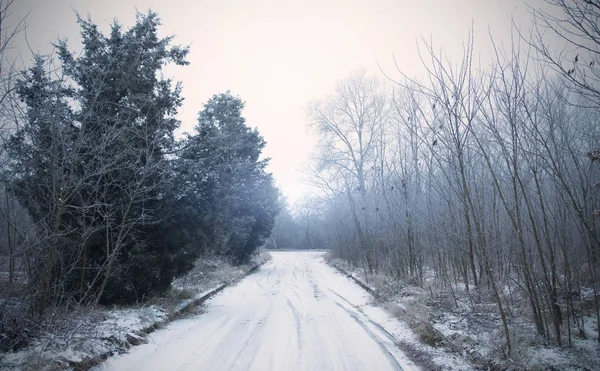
[349, 124]
[15, 217]
[573, 23]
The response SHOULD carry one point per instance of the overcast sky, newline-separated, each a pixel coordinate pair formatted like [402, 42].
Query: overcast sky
[278, 55]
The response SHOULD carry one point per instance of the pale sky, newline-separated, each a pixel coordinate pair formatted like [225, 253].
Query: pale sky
[278, 55]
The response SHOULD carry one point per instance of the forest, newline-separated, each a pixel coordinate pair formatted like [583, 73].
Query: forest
[478, 183]
[480, 180]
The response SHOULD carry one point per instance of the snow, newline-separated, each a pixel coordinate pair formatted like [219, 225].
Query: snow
[89, 334]
[295, 313]
[181, 306]
[406, 302]
[582, 353]
[471, 331]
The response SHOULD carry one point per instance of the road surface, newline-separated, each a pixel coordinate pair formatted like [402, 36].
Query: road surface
[295, 313]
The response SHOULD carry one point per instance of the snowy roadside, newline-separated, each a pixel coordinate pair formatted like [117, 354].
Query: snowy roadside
[447, 332]
[81, 339]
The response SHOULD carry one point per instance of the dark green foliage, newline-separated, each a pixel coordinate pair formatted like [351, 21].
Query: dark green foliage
[122, 207]
[230, 200]
[89, 163]
[121, 95]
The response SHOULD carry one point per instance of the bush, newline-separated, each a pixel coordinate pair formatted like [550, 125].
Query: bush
[16, 329]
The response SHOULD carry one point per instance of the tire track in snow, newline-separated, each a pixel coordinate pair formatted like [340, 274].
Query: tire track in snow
[375, 338]
[295, 313]
[297, 320]
[389, 335]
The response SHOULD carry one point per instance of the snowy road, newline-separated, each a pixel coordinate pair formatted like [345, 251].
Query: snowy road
[295, 313]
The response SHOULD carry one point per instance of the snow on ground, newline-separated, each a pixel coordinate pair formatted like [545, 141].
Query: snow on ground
[471, 332]
[82, 335]
[295, 313]
[408, 314]
[298, 313]
[89, 334]
[583, 355]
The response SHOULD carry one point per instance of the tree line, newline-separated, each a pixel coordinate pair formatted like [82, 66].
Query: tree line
[103, 204]
[476, 177]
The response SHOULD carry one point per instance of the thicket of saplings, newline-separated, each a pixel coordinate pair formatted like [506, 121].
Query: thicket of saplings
[100, 203]
[480, 178]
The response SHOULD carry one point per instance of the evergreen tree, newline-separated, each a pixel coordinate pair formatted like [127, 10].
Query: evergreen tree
[224, 184]
[39, 153]
[96, 173]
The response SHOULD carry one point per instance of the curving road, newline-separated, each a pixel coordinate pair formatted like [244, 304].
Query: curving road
[295, 313]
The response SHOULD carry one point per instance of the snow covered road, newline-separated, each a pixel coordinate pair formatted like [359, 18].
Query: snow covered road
[295, 313]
